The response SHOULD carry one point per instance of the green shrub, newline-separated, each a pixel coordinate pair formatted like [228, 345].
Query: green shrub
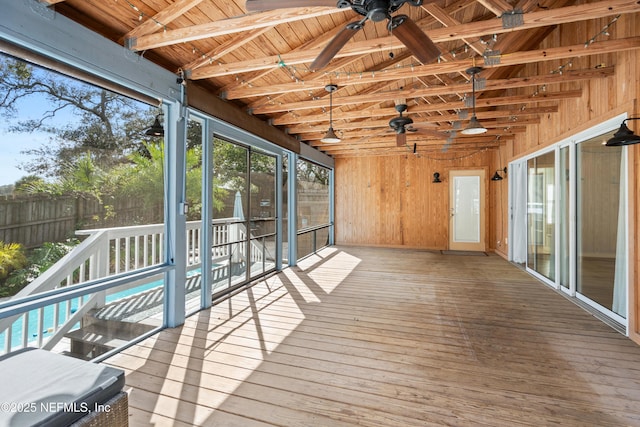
[38, 261]
[11, 258]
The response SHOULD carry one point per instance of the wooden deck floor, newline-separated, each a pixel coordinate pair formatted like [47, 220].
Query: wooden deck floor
[384, 337]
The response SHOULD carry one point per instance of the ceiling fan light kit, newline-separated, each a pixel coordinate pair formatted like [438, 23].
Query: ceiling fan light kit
[398, 125]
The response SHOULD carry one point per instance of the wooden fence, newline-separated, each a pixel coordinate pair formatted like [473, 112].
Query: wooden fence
[34, 220]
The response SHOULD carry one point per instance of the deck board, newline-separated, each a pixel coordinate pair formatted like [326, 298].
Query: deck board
[387, 337]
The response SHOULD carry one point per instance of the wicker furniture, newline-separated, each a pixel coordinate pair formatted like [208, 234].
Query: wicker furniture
[40, 388]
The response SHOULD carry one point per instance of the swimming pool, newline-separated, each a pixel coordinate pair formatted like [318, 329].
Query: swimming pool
[49, 315]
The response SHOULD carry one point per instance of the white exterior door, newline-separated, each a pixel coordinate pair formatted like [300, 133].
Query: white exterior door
[467, 208]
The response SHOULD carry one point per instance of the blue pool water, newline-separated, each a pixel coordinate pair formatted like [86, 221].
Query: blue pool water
[49, 315]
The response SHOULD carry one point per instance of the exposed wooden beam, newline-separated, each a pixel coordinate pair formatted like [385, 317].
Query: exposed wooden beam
[474, 29]
[370, 124]
[447, 20]
[162, 18]
[226, 48]
[498, 7]
[390, 141]
[518, 82]
[516, 58]
[494, 127]
[436, 136]
[390, 149]
[457, 105]
[233, 25]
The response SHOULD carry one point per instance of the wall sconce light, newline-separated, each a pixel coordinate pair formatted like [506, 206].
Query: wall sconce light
[156, 128]
[496, 176]
[436, 178]
[624, 135]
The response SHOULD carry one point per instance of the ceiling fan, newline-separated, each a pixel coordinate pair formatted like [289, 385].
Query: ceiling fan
[403, 124]
[400, 26]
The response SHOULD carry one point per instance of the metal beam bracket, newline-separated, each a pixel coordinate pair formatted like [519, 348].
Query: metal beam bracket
[491, 57]
[130, 43]
[513, 19]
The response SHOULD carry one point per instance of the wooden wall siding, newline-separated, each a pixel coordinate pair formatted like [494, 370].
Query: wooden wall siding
[392, 201]
[601, 99]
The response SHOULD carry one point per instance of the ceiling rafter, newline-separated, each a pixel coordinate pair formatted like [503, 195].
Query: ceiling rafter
[443, 155]
[226, 48]
[371, 124]
[165, 16]
[233, 25]
[457, 105]
[497, 7]
[447, 20]
[516, 95]
[516, 58]
[473, 29]
[518, 82]
[435, 136]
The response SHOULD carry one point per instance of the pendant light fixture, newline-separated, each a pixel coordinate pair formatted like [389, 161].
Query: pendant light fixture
[624, 135]
[474, 127]
[330, 136]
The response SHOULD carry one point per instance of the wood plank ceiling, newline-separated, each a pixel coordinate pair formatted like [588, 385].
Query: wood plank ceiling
[260, 62]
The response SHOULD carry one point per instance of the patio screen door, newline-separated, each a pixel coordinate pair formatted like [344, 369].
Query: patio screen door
[466, 203]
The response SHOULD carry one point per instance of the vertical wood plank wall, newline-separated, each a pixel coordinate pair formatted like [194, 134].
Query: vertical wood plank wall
[392, 201]
[601, 99]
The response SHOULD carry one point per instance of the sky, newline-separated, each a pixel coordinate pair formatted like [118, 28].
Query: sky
[12, 143]
[10, 146]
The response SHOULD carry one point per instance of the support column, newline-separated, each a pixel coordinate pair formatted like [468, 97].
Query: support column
[175, 215]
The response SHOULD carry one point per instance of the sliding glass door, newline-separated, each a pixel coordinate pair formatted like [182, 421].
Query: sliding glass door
[564, 219]
[601, 224]
[244, 216]
[541, 215]
[576, 219]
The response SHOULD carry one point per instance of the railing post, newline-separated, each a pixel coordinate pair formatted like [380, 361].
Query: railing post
[314, 244]
[100, 266]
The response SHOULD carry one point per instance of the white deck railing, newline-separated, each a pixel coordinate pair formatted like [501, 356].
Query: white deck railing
[104, 253]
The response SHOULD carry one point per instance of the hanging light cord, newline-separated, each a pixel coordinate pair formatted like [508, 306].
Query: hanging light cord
[331, 108]
[473, 93]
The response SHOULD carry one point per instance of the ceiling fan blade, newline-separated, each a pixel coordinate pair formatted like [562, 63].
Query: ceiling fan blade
[414, 38]
[334, 46]
[262, 5]
[435, 133]
[401, 139]
[424, 125]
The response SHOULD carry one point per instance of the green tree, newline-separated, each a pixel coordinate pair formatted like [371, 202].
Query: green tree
[230, 164]
[26, 183]
[143, 178]
[108, 125]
